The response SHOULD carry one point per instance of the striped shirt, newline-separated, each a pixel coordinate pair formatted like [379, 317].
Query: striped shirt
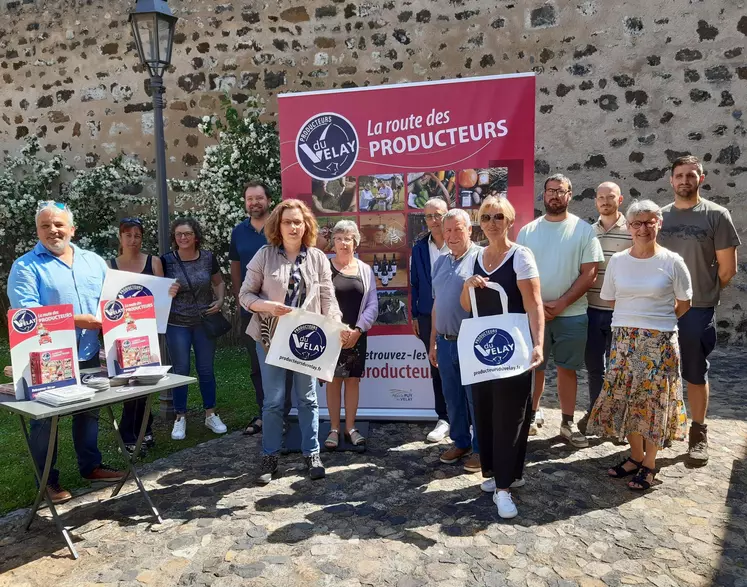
[614, 240]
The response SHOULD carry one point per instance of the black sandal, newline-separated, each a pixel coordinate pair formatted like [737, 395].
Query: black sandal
[621, 471]
[641, 479]
[254, 427]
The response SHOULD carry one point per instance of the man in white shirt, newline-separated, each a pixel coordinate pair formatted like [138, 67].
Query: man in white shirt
[366, 198]
[425, 252]
[568, 254]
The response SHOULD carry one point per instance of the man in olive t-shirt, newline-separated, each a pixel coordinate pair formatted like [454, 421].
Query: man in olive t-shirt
[704, 235]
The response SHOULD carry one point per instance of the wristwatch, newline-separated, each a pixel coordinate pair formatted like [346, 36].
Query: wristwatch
[359, 329]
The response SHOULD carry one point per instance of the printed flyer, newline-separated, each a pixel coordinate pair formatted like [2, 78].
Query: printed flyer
[130, 334]
[43, 349]
[125, 284]
[375, 155]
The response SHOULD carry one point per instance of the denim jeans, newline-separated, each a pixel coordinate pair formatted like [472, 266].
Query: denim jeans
[273, 380]
[85, 439]
[133, 413]
[458, 397]
[598, 342]
[181, 339]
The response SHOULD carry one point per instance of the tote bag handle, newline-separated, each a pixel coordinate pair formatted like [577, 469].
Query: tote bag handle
[495, 286]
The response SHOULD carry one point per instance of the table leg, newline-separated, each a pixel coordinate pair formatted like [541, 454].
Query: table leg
[42, 480]
[131, 460]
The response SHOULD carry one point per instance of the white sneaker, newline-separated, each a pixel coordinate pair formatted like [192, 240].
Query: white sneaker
[570, 432]
[215, 424]
[488, 486]
[506, 507]
[439, 432]
[539, 418]
[179, 431]
[532, 429]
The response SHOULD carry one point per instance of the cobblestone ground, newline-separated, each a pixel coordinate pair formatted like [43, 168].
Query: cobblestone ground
[395, 516]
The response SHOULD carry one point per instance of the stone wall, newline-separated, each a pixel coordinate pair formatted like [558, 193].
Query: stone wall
[623, 87]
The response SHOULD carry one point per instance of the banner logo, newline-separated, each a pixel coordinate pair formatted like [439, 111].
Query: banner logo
[327, 146]
[114, 310]
[134, 291]
[494, 347]
[24, 321]
[308, 342]
[46, 357]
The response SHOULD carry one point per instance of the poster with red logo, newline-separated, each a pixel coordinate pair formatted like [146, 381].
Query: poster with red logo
[130, 334]
[375, 156]
[43, 349]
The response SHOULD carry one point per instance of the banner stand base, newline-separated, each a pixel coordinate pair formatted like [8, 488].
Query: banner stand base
[293, 438]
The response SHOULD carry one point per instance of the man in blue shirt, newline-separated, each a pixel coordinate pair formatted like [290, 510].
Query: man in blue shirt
[57, 272]
[425, 253]
[246, 239]
[449, 274]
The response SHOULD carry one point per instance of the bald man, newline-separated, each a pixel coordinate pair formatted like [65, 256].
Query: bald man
[613, 235]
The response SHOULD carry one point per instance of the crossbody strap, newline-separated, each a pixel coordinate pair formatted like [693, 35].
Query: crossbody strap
[189, 283]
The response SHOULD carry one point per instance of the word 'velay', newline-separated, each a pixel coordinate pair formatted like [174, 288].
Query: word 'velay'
[303, 343]
[497, 350]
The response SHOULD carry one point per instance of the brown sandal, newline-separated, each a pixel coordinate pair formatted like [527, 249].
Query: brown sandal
[333, 439]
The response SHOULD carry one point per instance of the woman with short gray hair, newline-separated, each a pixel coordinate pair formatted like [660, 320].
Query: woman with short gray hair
[650, 288]
[355, 289]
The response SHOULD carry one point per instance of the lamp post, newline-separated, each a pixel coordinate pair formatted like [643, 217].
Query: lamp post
[153, 27]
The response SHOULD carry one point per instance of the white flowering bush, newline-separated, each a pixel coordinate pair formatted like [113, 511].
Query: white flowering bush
[247, 148]
[96, 196]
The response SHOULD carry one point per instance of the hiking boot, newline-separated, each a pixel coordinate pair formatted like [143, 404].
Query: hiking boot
[267, 469]
[451, 456]
[315, 466]
[697, 451]
[57, 494]
[582, 423]
[104, 474]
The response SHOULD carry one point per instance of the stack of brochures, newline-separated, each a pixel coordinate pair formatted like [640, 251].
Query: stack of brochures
[64, 396]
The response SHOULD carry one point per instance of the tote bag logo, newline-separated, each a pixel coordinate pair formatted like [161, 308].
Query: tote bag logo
[308, 342]
[114, 310]
[494, 347]
[134, 291]
[24, 321]
[327, 146]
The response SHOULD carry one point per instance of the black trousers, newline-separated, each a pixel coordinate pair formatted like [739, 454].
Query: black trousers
[424, 325]
[255, 374]
[502, 413]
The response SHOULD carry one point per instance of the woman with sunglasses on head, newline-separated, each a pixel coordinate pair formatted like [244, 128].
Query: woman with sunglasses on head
[503, 406]
[650, 288]
[201, 291]
[131, 258]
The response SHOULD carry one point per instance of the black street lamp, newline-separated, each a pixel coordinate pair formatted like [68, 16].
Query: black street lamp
[153, 27]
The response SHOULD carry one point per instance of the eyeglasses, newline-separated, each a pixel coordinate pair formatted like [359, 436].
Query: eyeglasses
[555, 191]
[635, 225]
[434, 216]
[185, 234]
[344, 239]
[131, 220]
[47, 203]
[495, 217]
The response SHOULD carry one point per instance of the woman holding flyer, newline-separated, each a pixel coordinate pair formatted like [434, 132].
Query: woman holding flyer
[201, 291]
[355, 289]
[503, 406]
[283, 275]
[131, 258]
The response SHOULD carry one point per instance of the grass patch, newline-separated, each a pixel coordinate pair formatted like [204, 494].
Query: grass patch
[235, 404]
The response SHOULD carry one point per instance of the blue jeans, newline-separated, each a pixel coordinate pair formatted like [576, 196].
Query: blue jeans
[85, 439]
[181, 339]
[304, 386]
[458, 397]
[598, 342]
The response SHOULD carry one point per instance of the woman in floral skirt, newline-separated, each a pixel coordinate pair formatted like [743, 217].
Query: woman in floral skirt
[650, 288]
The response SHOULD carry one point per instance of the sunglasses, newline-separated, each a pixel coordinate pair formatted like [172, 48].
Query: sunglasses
[47, 203]
[131, 220]
[497, 217]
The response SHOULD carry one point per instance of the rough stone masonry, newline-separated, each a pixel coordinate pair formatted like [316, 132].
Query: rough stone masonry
[623, 87]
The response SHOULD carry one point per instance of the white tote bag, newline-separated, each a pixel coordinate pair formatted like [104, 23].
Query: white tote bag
[306, 342]
[493, 347]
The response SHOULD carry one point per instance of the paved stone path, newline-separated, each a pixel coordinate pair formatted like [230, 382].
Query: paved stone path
[395, 516]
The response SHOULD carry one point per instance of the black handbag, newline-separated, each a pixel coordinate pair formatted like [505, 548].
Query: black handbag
[215, 325]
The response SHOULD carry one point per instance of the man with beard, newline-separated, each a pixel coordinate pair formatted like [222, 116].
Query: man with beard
[57, 272]
[612, 232]
[568, 256]
[704, 235]
[246, 239]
